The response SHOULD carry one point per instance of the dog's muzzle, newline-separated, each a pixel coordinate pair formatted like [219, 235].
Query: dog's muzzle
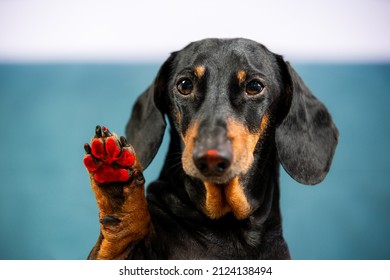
[213, 161]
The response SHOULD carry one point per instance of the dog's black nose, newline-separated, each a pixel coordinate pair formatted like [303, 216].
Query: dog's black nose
[213, 162]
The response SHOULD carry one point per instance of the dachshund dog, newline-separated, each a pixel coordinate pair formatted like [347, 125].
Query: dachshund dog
[236, 112]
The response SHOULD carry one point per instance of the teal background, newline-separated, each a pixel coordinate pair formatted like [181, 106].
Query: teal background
[48, 111]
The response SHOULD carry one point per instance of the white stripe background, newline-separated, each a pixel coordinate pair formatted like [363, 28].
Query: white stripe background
[147, 30]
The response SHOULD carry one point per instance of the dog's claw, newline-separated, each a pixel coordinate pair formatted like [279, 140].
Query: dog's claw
[98, 131]
[124, 141]
[106, 132]
[139, 177]
[87, 148]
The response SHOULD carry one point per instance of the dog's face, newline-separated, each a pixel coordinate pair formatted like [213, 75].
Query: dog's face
[220, 95]
[229, 103]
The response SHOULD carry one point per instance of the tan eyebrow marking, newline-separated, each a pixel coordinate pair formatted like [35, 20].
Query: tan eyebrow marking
[199, 71]
[241, 76]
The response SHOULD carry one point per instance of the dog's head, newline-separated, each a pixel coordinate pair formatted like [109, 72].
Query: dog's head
[227, 100]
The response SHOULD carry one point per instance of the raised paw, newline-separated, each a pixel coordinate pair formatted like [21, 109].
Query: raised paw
[109, 159]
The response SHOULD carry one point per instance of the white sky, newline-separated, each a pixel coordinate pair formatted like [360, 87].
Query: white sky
[147, 30]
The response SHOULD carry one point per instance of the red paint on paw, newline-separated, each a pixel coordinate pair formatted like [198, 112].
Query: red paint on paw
[107, 160]
[108, 174]
[126, 158]
[112, 147]
[97, 148]
[90, 163]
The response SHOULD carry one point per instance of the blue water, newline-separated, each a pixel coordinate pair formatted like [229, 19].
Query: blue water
[47, 113]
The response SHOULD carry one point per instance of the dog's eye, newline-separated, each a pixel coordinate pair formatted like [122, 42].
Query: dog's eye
[254, 87]
[185, 86]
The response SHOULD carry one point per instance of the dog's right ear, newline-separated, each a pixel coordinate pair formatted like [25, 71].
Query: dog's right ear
[146, 126]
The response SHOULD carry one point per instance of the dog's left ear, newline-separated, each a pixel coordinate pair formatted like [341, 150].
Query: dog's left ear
[306, 139]
[146, 126]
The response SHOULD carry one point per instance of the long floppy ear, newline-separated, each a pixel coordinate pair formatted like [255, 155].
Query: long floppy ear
[307, 137]
[146, 126]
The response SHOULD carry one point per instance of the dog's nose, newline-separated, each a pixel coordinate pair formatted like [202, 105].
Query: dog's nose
[213, 162]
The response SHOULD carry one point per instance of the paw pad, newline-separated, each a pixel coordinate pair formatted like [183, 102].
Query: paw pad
[108, 158]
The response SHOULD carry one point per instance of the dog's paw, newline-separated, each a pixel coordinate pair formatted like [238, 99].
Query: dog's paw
[109, 159]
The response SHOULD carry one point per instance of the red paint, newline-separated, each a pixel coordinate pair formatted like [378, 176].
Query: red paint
[126, 158]
[90, 163]
[97, 148]
[102, 158]
[109, 174]
[112, 147]
[212, 153]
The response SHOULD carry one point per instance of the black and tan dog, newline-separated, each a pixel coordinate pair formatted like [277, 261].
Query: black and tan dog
[236, 112]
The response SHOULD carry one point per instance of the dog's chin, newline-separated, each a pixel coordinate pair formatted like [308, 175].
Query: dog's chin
[217, 180]
[222, 181]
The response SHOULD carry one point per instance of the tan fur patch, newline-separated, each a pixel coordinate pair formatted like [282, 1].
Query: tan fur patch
[216, 204]
[199, 71]
[241, 76]
[134, 226]
[264, 123]
[236, 199]
[221, 200]
[189, 141]
[244, 142]
[231, 198]
[178, 117]
[115, 241]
